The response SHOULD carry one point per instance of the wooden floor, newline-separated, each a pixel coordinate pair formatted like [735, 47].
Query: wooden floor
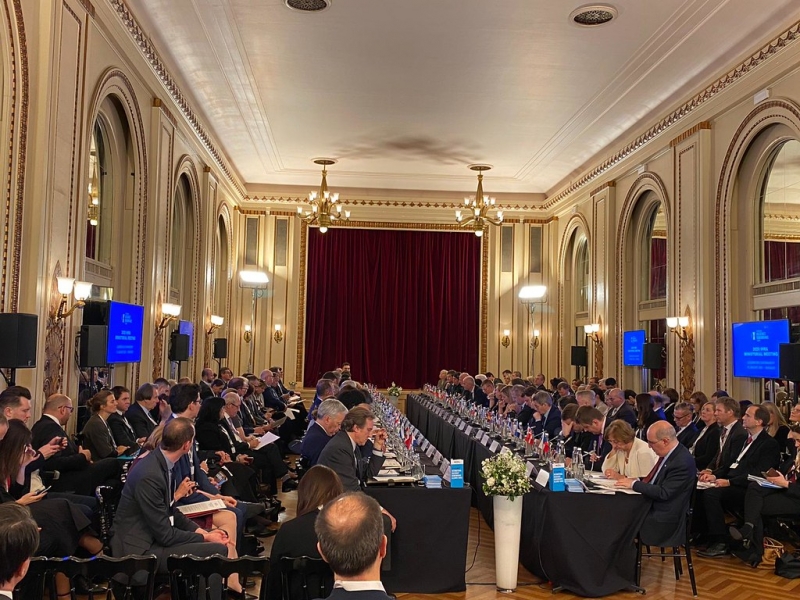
[725, 578]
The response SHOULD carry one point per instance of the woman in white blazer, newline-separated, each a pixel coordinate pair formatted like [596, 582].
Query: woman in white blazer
[629, 456]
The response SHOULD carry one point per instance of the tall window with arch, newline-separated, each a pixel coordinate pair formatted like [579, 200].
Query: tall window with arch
[653, 285]
[99, 199]
[221, 268]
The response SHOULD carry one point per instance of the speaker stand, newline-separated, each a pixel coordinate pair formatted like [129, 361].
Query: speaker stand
[12, 374]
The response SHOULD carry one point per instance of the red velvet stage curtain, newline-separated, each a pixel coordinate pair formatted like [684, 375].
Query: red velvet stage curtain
[397, 305]
[658, 268]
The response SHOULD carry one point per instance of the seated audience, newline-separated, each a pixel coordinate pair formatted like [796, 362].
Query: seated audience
[619, 408]
[19, 539]
[645, 415]
[121, 429]
[629, 456]
[330, 415]
[343, 452]
[684, 423]
[351, 540]
[97, 435]
[779, 429]
[698, 400]
[593, 423]
[732, 436]
[706, 445]
[139, 415]
[546, 416]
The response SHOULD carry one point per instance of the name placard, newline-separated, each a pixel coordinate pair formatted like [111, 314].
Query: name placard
[461, 425]
[468, 430]
[430, 451]
[495, 445]
[425, 445]
[437, 458]
[542, 477]
[504, 450]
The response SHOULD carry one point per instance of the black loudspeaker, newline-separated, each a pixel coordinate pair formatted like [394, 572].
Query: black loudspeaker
[652, 356]
[579, 356]
[95, 312]
[790, 362]
[221, 348]
[179, 347]
[93, 346]
[18, 331]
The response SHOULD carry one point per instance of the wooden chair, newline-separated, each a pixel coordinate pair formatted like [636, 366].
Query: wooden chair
[189, 574]
[314, 575]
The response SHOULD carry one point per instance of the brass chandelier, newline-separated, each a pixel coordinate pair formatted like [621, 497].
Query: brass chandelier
[323, 203]
[478, 207]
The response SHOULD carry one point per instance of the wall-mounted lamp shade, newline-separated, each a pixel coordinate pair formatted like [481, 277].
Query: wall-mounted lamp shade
[277, 326]
[506, 332]
[672, 322]
[216, 320]
[535, 333]
[247, 328]
[253, 279]
[532, 292]
[65, 285]
[683, 321]
[593, 328]
[172, 310]
[83, 289]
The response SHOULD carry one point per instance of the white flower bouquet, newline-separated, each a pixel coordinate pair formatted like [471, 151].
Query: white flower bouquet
[394, 390]
[504, 475]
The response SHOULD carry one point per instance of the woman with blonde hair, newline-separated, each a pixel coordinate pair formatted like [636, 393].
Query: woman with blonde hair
[629, 456]
[779, 429]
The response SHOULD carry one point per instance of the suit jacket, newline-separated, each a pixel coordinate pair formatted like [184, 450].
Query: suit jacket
[671, 491]
[314, 442]
[625, 413]
[342, 594]
[338, 454]
[480, 397]
[142, 426]
[98, 440]
[122, 431]
[272, 400]
[142, 524]
[688, 435]
[68, 459]
[706, 446]
[730, 450]
[205, 390]
[551, 424]
[762, 455]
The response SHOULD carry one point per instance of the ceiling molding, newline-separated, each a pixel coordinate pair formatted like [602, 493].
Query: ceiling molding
[148, 51]
[771, 49]
[690, 132]
[395, 204]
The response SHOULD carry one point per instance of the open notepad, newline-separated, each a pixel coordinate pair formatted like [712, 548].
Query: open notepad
[198, 509]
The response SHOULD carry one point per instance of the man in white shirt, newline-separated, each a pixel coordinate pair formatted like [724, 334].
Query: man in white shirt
[350, 539]
[19, 538]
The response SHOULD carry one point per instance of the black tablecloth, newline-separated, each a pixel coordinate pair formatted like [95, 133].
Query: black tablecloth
[429, 546]
[581, 542]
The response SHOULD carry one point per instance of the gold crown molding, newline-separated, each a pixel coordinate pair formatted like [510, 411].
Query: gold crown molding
[606, 185]
[389, 225]
[783, 237]
[206, 169]
[158, 103]
[88, 7]
[774, 47]
[398, 204]
[690, 132]
[782, 217]
[142, 40]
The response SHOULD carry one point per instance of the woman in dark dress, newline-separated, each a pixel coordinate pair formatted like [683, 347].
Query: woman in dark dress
[297, 537]
[706, 445]
[645, 415]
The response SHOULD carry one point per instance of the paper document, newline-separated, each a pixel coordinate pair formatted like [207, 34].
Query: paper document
[763, 482]
[202, 508]
[266, 439]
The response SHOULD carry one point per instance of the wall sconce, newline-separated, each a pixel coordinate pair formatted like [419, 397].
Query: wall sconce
[278, 335]
[248, 334]
[506, 339]
[535, 339]
[67, 285]
[216, 323]
[593, 331]
[678, 326]
[169, 312]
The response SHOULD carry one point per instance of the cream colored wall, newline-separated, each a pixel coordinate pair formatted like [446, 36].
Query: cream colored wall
[77, 53]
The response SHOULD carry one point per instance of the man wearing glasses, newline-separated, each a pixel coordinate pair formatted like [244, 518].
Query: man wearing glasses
[669, 484]
[684, 424]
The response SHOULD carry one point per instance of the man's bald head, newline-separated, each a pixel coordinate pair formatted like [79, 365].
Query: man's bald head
[56, 401]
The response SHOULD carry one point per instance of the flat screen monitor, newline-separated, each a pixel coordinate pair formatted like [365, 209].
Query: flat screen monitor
[125, 327]
[187, 328]
[633, 348]
[756, 348]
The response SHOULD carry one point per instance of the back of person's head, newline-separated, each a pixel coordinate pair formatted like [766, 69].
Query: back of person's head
[644, 405]
[569, 411]
[210, 410]
[218, 383]
[318, 486]
[145, 392]
[719, 394]
[16, 439]
[611, 382]
[161, 382]
[563, 386]
[356, 417]
[326, 387]
[350, 397]
[10, 397]
[182, 395]
[176, 433]
[543, 398]
[99, 400]
[237, 382]
[330, 408]
[673, 395]
[19, 539]
[153, 441]
[329, 375]
[350, 533]
[53, 403]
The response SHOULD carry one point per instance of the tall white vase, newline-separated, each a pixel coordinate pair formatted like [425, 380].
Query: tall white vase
[507, 525]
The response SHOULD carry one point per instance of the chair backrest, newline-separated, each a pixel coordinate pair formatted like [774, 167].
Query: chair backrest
[314, 575]
[38, 579]
[186, 570]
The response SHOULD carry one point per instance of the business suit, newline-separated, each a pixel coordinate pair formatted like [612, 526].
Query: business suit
[625, 413]
[670, 491]
[97, 438]
[551, 423]
[734, 441]
[706, 446]
[314, 442]
[342, 594]
[205, 390]
[762, 455]
[76, 474]
[122, 431]
[688, 435]
[142, 524]
[339, 455]
[479, 397]
[141, 420]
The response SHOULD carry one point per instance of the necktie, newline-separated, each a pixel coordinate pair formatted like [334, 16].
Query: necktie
[749, 440]
[652, 473]
[723, 434]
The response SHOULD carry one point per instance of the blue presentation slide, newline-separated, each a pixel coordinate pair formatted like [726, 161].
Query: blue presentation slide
[125, 326]
[633, 348]
[756, 348]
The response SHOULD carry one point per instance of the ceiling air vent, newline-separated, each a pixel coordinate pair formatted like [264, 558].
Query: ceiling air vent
[308, 5]
[593, 16]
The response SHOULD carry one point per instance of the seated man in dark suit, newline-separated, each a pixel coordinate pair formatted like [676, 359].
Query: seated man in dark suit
[732, 437]
[77, 473]
[343, 452]
[139, 415]
[147, 521]
[760, 453]
[619, 407]
[351, 540]
[120, 427]
[669, 485]
[684, 424]
[546, 416]
[330, 415]
[593, 424]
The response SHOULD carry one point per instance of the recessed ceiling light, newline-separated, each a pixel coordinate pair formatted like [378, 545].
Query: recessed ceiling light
[593, 15]
[308, 5]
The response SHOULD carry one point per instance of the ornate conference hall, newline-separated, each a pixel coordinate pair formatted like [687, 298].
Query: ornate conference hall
[561, 190]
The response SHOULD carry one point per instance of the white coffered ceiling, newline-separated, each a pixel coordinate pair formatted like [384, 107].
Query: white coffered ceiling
[406, 93]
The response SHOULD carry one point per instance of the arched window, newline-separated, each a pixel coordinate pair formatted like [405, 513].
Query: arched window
[221, 269]
[182, 248]
[654, 255]
[780, 212]
[99, 199]
[582, 277]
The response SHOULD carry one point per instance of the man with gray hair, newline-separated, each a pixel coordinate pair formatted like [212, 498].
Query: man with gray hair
[351, 540]
[587, 397]
[546, 417]
[327, 423]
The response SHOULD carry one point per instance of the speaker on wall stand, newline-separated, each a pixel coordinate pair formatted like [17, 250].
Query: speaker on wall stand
[789, 365]
[19, 351]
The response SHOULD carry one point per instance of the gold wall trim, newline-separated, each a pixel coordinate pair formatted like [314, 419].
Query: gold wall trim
[774, 47]
[690, 132]
[301, 314]
[484, 294]
[397, 204]
[142, 41]
[88, 7]
[158, 103]
[606, 185]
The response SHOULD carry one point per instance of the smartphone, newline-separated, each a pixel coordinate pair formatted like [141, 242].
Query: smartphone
[770, 473]
[43, 490]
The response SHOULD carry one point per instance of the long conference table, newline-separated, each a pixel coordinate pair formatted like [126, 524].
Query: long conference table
[582, 543]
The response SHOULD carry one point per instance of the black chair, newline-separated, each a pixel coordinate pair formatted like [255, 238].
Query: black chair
[38, 579]
[314, 575]
[676, 553]
[187, 570]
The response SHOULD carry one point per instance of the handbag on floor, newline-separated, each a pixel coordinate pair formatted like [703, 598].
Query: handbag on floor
[773, 550]
[788, 565]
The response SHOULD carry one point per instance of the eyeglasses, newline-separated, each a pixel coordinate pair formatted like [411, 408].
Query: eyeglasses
[69, 408]
[655, 442]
